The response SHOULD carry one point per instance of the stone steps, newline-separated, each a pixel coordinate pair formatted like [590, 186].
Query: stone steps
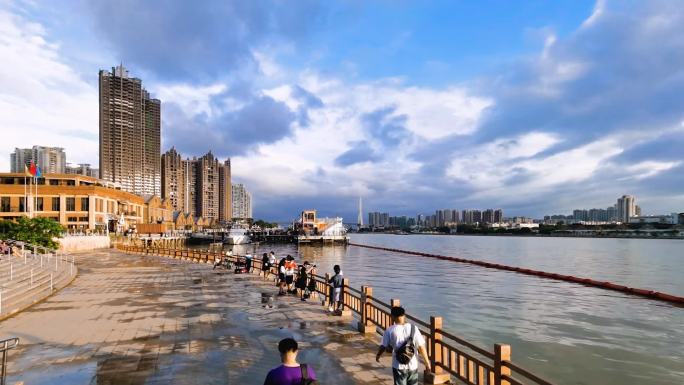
[25, 288]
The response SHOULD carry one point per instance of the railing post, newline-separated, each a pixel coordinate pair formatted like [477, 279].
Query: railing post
[365, 326]
[51, 288]
[502, 353]
[436, 375]
[346, 307]
[328, 291]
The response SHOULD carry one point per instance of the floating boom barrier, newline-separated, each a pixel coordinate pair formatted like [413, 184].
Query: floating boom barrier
[651, 294]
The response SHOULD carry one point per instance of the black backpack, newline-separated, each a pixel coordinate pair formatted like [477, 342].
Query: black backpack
[305, 376]
[406, 351]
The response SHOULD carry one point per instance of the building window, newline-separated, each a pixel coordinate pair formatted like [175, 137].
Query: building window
[55, 204]
[5, 204]
[84, 204]
[22, 205]
[54, 182]
[39, 204]
[71, 204]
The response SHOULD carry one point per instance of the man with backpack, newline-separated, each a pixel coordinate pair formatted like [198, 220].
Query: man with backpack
[290, 372]
[403, 340]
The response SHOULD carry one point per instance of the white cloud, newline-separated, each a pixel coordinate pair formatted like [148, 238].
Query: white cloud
[193, 100]
[42, 100]
[650, 168]
[500, 167]
[431, 113]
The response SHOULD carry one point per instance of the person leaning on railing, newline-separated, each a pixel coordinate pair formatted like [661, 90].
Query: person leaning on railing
[402, 339]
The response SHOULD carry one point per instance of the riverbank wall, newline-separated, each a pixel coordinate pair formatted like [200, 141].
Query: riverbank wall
[76, 243]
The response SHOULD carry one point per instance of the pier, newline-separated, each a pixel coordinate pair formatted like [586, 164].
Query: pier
[451, 356]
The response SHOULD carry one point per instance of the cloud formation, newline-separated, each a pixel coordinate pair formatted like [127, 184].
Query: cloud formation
[594, 113]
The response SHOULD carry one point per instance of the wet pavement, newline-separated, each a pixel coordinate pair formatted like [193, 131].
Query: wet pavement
[128, 319]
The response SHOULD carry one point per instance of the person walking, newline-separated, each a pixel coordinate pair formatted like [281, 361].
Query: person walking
[290, 268]
[272, 259]
[290, 372]
[302, 280]
[265, 265]
[403, 340]
[281, 276]
[311, 274]
[337, 282]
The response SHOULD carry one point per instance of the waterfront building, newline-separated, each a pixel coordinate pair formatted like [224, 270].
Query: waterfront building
[82, 169]
[671, 219]
[51, 160]
[189, 181]
[130, 133]
[75, 201]
[488, 216]
[173, 180]
[158, 210]
[242, 202]
[498, 215]
[226, 192]
[440, 217]
[579, 215]
[611, 213]
[200, 186]
[626, 208]
[420, 220]
[477, 216]
[467, 216]
[378, 220]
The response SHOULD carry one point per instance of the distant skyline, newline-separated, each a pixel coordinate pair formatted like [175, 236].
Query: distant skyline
[537, 107]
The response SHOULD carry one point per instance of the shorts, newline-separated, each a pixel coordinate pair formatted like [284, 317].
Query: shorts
[405, 377]
[336, 294]
[289, 279]
[281, 277]
[265, 267]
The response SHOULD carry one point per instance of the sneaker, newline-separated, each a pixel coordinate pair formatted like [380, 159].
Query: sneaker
[303, 299]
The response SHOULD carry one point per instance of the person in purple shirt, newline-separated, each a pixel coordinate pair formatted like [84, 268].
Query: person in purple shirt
[290, 372]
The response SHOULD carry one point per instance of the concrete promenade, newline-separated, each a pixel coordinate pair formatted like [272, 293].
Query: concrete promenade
[128, 319]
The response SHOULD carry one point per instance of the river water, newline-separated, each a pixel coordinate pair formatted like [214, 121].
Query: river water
[565, 332]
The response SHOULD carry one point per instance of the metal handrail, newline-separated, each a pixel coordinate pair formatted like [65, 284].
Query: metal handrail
[6, 345]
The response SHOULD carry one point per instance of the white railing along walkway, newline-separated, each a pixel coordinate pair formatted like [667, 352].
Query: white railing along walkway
[31, 274]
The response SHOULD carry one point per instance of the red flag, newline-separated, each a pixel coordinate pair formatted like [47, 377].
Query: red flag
[32, 169]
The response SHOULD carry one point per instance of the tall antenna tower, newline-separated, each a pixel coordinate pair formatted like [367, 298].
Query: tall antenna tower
[360, 219]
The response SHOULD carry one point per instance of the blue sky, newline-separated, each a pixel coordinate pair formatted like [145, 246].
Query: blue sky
[537, 107]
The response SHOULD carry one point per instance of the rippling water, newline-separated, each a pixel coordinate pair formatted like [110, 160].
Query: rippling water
[568, 333]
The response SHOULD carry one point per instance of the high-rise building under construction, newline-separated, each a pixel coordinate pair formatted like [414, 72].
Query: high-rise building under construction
[130, 133]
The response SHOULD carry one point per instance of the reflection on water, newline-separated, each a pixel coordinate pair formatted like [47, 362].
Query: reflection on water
[569, 333]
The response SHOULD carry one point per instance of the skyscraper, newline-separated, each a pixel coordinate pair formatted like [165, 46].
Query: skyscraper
[82, 169]
[626, 208]
[200, 186]
[51, 160]
[226, 192]
[130, 133]
[173, 179]
[360, 218]
[242, 202]
[498, 215]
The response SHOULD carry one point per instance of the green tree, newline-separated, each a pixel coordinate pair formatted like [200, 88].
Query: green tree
[37, 231]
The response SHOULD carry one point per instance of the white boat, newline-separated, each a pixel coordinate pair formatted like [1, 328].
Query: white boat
[238, 236]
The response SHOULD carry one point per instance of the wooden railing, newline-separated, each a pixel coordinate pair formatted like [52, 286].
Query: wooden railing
[450, 355]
